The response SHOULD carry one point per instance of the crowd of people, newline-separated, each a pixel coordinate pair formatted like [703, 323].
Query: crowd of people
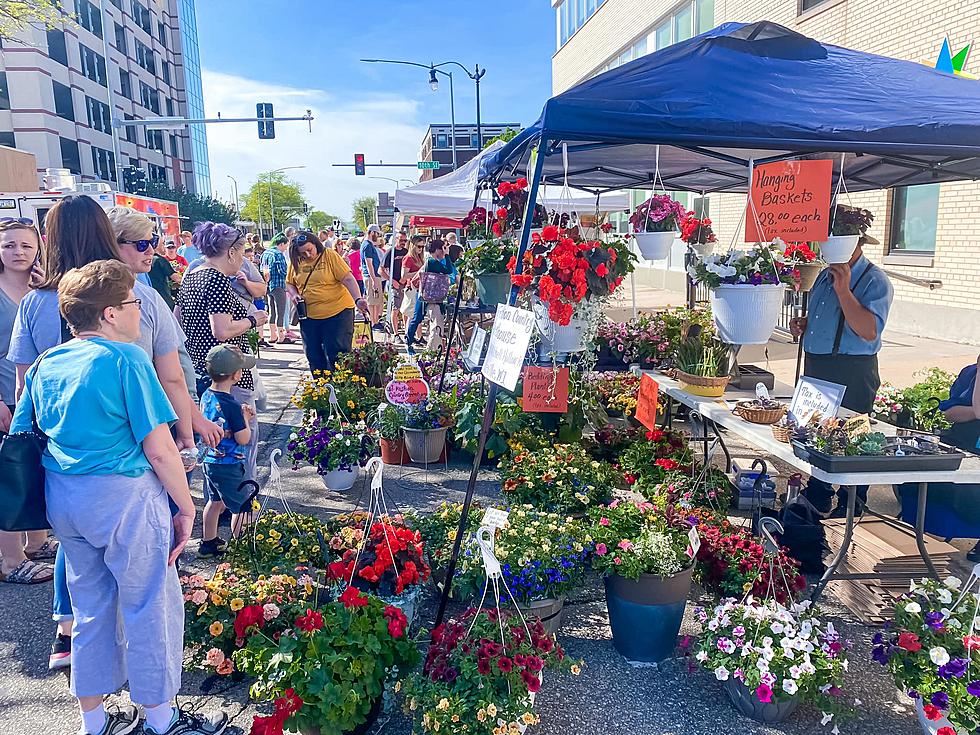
[135, 357]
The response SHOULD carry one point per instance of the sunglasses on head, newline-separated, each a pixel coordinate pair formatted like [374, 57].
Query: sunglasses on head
[302, 238]
[143, 245]
[16, 220]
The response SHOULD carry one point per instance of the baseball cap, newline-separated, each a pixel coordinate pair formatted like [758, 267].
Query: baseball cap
[373, 228]
[227, 360]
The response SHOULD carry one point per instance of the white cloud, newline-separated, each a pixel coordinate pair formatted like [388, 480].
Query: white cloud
[383, 127]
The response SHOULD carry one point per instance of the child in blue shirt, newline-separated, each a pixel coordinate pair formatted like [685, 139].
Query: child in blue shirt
[224, 466]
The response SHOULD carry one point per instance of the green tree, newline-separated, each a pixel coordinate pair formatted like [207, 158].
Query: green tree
[16, 16]
[318, 220]
[287, 199]
[364, 209]
[194, 208]
[508, 135]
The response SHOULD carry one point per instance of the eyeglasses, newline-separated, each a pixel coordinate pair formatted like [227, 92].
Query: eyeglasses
[143, 245]
[16, 220]
[171, 246]
[138, 303]
[302, 238]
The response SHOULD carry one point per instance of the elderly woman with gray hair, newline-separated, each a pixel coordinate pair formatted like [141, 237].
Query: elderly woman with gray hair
[211, 314]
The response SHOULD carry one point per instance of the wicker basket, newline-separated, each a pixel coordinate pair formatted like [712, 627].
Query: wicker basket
[782, 433]
[702, 386]
[757, 415]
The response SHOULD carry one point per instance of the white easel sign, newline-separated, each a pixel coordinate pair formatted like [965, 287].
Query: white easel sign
[509, 339]
[814, 396]
[475, 350]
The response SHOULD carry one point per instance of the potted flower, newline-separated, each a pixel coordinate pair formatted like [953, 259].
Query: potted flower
[278, 542]
[567, 282]
[390, 423]
[655, 224]
[487, 262]
[438, 531]
[616, 391]
[424, 428]
[773, 658]
[336, 448]
[328, 671]
[698, 235]
[355, 398]
[482, 673]
[702, 366]
[561, 478]
[847, 227]
[804, 259]
[931, 652]
[388, 562]
[654, 455]
[746, 292]
[373, 361]
[646, 558]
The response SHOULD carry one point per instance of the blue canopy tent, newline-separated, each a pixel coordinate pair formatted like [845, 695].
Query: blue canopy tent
[753, 92]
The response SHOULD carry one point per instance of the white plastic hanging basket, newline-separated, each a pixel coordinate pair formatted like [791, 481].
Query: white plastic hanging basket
[838, 248]
[703, 248]
[557, 338]
[746, 314]
[339, 480]
[655, 245]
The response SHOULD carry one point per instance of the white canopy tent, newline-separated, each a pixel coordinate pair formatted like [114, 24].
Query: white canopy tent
[452, 195]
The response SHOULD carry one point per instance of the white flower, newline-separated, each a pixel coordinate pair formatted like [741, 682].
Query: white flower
[722, 674]
[294, 436]
[712, 625]
[776, 628]
[944, 596]
[939, 656]
[270, 611]
[762, 665]
[702, 656]
[827, 717]
[953, 583]
[914, 608]
[789, 686]
[835, 731]
[795, 672]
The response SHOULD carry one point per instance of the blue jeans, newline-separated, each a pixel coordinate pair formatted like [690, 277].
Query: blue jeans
[416, 320]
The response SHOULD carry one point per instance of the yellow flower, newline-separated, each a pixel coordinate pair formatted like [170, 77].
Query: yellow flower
[492, 709]
[435, 726]
[216, 628]
[217, 599]
[294, 542]
[237, 604]
[413, 705]
[201, 609]
[350, 404]
[443, 704]
[528, 718]
[455, 718]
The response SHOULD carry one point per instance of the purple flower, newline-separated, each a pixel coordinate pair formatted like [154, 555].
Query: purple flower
[935, 621]
[940, 699]
[881, 654]
[878, 639]
[956, 667]
[974, 688]
[915, 695]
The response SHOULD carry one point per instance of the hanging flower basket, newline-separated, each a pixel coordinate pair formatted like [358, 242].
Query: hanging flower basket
[838, 248]
[655, 245]
[746, 314]
[492, 288]
[703, 248]
[556, 338]
[339, 480]
[749, 705]
[425, 445]
[808, 274]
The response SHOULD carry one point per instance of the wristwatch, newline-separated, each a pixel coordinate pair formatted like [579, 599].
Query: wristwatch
[252, 321]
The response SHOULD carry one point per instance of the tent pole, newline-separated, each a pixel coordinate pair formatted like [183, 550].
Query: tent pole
[491, 409]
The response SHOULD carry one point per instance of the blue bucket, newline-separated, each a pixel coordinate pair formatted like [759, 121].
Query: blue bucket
[646, 614]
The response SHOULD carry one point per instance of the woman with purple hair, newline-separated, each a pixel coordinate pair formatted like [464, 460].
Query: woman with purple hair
[211, 314]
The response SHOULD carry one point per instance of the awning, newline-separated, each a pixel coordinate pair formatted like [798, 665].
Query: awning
[437, 222]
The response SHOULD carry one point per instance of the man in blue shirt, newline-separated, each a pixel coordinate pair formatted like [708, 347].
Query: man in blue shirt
[187, 250]
[849, 306]
[274, 269]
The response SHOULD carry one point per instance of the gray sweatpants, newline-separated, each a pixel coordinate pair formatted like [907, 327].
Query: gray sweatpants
[129, 613]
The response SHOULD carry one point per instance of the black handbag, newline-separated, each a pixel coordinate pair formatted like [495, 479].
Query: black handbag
[22, 506]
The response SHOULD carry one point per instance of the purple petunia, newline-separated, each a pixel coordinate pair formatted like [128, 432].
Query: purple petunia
[935, 621]
[940, 700]
[915, 695]
[974, 688]
[956, 667]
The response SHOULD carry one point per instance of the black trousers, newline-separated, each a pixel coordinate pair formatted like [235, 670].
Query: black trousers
[859, 373]
[325, 339]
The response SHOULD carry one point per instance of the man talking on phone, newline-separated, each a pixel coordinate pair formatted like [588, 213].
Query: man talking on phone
[849, 306]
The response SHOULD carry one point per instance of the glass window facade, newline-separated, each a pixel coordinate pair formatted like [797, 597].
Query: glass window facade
[687, 20]
[572, 15]
[915, 217]
[63, 105]
[104, 164]
[69, 156]
[195, 98]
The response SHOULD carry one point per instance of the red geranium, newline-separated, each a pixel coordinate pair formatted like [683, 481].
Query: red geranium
[397, 622]
[353, 597]
[501, 213]
[667, 464]
[246, 618]
[310, 622]
[286, 706]
[932, 712]
[390, 561]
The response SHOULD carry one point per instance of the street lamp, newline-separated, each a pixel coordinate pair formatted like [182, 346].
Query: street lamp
[272, 211]
[433, 80]
[235, 183]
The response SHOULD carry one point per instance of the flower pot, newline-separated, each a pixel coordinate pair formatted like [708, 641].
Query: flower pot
[700, 385]
[361, 729]
[655, 245]
[393, 451]
[932, 727]
[703, 248]
[749, 705]
[808, 274]
[645, 614]
[838, 248]
[492, 288]
[425, 445]
[339, 480]
[407, 602]
[556, 338]
[746, 314]
[549, 611]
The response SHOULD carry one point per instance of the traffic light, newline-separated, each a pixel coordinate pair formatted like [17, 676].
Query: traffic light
[267, 128]
[358, 164]
[134, 180]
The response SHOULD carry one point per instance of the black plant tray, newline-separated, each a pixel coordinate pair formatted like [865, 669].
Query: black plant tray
[944, 460]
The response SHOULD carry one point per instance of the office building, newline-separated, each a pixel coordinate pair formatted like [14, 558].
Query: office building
[437, 145]
[123, 59]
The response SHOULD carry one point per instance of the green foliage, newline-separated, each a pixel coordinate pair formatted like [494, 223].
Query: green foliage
[194, 208]
[280, 541]
[706, 358]
[922, 399]
[560, 478]
[654, 455]
[16, 16]
[287, 198]
[489, 256]
[508, 420]
[636, 538]
[508, 135]
[318, 220]
[363, 210]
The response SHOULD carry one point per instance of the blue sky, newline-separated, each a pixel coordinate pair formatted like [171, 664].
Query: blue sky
[301, 54]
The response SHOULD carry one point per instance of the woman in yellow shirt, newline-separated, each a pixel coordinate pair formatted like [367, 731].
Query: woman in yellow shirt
[324, 294]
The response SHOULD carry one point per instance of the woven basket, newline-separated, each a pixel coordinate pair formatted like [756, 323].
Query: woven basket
[702, 386]
[757, 415]
[782, 433]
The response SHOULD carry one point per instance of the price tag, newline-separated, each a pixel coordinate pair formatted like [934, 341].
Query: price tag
[695, 542]
[407, 392]
[814, 396]
[494, 518]
[647, 401]
[545, 390]
[404, 373]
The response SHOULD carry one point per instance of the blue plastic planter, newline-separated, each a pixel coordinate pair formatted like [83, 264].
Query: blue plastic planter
[645, 614]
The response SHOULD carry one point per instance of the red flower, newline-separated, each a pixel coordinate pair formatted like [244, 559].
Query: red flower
[549, 233]
[947, 730]
[521, 183]
[497, 229]
[522, 280]
[971, 642]
[910, 642]
[310, 622]
[531, 681]
[246, 618]
[397, 622]
[501, 213]
[654, 435]
[667, 464]
[286, 706]
[601, 270]
[353, 598]
[505, 664]
[932, 713]
[606, 227]
[504, 188]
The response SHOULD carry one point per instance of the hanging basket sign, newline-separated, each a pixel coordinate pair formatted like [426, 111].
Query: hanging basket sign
[407, 388]
[545, 390]
[791, 200]
[509, 338]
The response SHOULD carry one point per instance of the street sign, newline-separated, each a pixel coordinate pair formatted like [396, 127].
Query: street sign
[358, 164]
[425, 165]
[267, 128]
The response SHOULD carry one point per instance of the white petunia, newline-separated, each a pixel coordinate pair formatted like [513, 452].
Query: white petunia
[827, 717]
[913, 608]
[953, 583]
[789, 686]
[939, 656]
[944, 596]
[722, 674]
[702, 656]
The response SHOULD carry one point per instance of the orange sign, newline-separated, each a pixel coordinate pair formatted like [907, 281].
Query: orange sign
[545, 390]
[646, 401]
[791, 200]
[166, 211]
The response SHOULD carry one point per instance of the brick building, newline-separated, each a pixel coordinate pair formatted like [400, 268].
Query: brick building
[123, 59]
[437, 145]
[927, 233]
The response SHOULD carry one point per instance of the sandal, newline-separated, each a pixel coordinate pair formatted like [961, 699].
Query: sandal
[29, 572]
[47, 550]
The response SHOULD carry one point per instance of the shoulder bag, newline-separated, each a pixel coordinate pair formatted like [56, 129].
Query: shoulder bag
[434, 287]
[22, 506]
[299, 308]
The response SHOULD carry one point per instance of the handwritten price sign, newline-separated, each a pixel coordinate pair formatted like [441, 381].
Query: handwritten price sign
[545, 390]
[791, 200]
[646, 401]
[407, 392]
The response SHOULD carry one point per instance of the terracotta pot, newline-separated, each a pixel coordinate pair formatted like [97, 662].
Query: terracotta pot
[393, 452]
[808, 274]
